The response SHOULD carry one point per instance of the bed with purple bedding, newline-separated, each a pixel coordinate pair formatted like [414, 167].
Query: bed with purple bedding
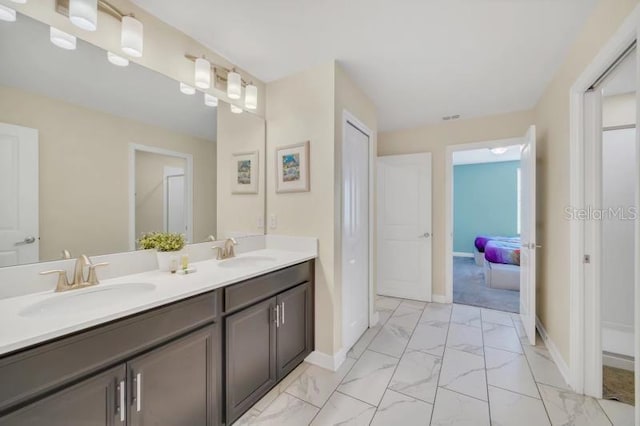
[482, 240]
[504, 252]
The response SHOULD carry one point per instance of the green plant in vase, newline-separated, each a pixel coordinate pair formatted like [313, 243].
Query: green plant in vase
[166, 245]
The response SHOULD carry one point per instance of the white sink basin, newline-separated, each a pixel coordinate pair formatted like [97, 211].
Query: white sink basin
[73, 302]
[248, 262]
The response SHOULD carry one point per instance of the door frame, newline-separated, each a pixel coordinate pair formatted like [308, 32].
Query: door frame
[448, 202]
[349, 118]
[584, 340]
[188, 171]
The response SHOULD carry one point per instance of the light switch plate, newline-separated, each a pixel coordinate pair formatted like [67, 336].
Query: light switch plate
[260, 222]
[273, 221]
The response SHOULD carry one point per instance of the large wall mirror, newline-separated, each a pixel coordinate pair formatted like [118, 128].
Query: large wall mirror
[93, 154]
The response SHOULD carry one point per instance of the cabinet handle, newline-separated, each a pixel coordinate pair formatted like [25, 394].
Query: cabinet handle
[121, 403]
[138, 381]
[282, 313]
[277, 316]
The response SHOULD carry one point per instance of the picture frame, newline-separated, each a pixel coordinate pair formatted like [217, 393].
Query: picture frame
[292, 168]
[245, 173]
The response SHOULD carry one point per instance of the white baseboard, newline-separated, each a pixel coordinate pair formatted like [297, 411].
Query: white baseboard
[439, 298]
[618, 361]
[328, 362]
[462, 254]
[555, 353]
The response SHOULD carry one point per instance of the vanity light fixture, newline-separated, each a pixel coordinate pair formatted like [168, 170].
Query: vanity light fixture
[210, 100]
[499, 150]
[7, 14]
[84, 14]
[203, 73]
[251, 96]
[61, 39]
[234, 85]
[235, 109]
[132, 36]
[186, 89]
[117, 60]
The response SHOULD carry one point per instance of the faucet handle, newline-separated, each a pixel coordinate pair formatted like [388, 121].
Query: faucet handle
[219, 252]
[63, 280]
[93, 278]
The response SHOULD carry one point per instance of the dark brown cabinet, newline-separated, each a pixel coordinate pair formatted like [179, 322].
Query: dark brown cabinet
[264, 342]
[93, 402]
[294, 334]
[251, 360]
[174, 384]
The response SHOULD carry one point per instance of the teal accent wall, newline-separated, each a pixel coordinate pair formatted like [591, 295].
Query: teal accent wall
[485, 201]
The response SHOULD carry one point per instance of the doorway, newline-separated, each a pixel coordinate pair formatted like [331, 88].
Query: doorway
[356, 217]
[486, 227]
[611, 168]
[160, 192]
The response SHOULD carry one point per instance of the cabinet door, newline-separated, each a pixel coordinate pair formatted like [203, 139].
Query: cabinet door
[98, 401]
[175, 384]
[250, 357]
[294, 328]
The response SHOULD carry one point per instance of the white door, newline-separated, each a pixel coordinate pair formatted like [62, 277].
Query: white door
[19, 237]
[528, 234]
[355, 234]
[175, 200]
[404, 226]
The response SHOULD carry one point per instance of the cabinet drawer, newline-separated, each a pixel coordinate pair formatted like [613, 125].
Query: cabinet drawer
[256, 289]
[33, 372]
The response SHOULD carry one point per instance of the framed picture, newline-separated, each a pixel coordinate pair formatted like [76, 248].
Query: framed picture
[244, 173]
[292, 168]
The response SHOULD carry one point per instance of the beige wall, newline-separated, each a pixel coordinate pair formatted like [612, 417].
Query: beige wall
[348, 97]
[238, 214]
[309, 106]
[552, 120]
[84, 161]
[164, 46]
[619, 110]
[301, 108]
[150, 189]
[434, 139]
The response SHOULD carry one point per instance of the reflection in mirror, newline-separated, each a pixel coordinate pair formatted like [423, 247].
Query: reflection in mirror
[69, 121]
[162, 192]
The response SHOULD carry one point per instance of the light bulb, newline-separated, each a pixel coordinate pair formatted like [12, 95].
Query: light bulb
[117, 60]
[235, 109]
[61, 39]
[7, 14]
[210, 100]
[186, 89]
[251, 96]
[203, 73]
[234, 85]
[84, 14]
[131, 37]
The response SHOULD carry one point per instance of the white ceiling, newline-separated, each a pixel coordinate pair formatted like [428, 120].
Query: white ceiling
[85, 77]
[484, 155]
[418, 60]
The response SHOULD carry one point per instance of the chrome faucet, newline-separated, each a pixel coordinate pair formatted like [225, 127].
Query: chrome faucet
[79, 280]
[228, 251]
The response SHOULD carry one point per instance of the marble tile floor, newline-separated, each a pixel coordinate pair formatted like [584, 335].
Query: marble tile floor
[435, 364]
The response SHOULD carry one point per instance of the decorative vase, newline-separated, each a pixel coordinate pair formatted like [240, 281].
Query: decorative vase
[165, 258]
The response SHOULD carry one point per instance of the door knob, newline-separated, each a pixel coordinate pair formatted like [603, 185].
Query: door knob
[27, 240]
[425, 235]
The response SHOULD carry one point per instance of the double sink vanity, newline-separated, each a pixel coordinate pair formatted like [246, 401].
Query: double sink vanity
[156, 347]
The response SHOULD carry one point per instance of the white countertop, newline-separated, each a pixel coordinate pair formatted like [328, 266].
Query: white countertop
[18, 331]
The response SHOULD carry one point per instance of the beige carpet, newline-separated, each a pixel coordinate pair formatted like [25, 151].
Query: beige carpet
[618, 385]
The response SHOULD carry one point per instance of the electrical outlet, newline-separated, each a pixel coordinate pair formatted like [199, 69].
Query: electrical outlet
[273, 221]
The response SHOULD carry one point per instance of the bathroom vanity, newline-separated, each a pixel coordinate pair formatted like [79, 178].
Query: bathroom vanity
[201, 360]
